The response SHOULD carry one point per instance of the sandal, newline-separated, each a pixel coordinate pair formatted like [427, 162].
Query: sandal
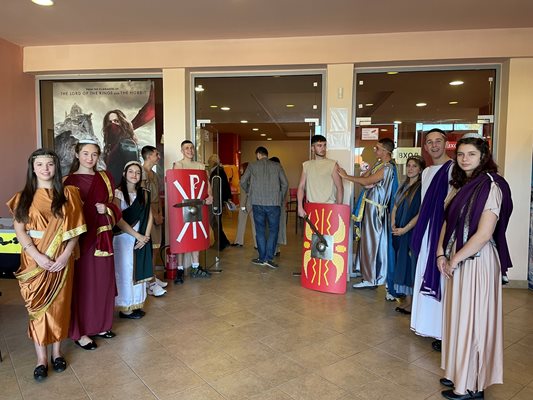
[40, 372]
[200, 273]
[59, 364]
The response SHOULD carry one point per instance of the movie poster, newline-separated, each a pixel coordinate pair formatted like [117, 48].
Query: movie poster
[119, 115]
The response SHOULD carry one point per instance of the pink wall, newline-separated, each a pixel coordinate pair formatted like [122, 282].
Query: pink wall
[17, 121]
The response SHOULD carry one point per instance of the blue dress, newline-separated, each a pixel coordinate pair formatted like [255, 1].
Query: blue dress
[407, 208]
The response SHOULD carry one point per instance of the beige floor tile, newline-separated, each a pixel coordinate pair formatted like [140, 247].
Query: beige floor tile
[62, 386]
[430, 362]
[96, 378]
[314, 356]
[344, 346]
[349, 375]
[204, 392]
[312, 387]
[240, 385]
[407, 347]
[278, 369]
[249, 351]
[272, 394]
[214, 365]
[165, 379]
[525, 394]
[9, 384]
[132, 390]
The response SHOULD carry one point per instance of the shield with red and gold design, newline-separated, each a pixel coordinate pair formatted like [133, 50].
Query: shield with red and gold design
[188, 216]
[325, 252]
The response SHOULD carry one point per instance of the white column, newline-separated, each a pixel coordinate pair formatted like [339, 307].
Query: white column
[516, 146]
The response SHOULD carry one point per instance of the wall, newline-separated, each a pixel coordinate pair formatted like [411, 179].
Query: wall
[386, 47]
[292, 153]
[518, 131]
[17, 121]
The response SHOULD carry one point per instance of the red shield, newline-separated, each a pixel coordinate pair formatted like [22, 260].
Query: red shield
[324, 268]
[187, 231]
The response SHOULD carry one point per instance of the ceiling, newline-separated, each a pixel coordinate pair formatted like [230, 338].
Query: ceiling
[116, 21]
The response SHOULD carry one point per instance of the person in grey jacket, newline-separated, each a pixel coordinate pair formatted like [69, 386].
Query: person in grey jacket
[266, 185]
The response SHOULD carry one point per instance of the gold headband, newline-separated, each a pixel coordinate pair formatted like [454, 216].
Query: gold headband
[43, 156]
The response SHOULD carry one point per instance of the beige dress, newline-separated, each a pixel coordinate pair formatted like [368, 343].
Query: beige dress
[472, 331]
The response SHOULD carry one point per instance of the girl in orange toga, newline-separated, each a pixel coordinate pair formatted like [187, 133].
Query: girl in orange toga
[48, 220]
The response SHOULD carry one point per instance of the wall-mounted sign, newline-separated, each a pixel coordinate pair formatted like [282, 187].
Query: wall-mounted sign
[401, 154]
[369, 133]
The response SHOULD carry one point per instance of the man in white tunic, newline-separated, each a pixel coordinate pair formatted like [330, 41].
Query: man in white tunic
[426, 317]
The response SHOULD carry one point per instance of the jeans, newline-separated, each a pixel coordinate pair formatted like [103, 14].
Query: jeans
[263, 216]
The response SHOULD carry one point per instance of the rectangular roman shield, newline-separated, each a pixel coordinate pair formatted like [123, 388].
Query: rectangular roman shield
[325, 255]
[188, 216]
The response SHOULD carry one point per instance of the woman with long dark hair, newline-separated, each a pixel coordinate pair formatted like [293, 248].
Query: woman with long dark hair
[94, 282]
[403, 218]
[48, 220]
[472, 254]
[132, 246]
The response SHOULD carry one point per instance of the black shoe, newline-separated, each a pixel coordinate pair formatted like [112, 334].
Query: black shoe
[106, 335]
[129, 316]
[436, 345]
[179, 276]
[236, 245]
[449, 394]
[40, 372]
[446, 382]
[59, 364]
[89, 346]
[257, 261]
[139, 311]
[271, 264]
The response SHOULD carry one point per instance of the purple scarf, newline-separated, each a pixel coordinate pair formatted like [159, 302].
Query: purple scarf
[466, 209]
[432, 213]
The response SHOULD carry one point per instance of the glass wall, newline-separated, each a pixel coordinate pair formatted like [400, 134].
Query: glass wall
[401, 105]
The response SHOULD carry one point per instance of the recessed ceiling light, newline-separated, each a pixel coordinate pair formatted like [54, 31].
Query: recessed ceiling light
[392, 72]
[315, 107]
[263, 134]
[45, 3]
[397, 122]
[289, 105]
[369, 104]
[225, 108]
[421, 104]
[359, 106]
[453, 102]
[315, 84]
[199, 88]
[255, 129]
[213, 106]
[456, 83]
[269, 138]
[243, 121]
[383, 130]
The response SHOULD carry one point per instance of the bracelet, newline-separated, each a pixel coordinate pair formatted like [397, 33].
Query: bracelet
[27, 246]
[442, 255]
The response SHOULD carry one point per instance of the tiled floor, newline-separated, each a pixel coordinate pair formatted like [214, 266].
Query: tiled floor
[254, 333]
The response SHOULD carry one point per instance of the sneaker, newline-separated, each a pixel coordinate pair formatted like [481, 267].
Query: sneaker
[271, 264]
[161, 283]
[257, 261]
[200, 273]
[155, 290]
[364, 285]
[390, 297]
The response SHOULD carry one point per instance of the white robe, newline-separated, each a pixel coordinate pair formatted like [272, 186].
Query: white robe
[426, 311]
[130, 297]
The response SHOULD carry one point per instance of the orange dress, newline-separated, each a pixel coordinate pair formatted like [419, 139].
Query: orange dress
[47, 295]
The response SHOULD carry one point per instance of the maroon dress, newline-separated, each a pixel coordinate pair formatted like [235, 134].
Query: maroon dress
[94, 291]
